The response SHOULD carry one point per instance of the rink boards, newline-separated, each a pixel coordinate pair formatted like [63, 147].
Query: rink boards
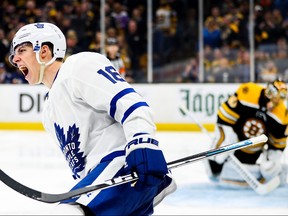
[21, 105]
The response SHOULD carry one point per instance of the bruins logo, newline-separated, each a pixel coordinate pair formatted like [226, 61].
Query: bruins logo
[253, 127]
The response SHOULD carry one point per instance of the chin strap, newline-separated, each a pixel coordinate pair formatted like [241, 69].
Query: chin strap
[42, 67]
[41, 72]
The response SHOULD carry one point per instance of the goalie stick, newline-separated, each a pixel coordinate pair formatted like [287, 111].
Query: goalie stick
[53, 198]
[259, 188]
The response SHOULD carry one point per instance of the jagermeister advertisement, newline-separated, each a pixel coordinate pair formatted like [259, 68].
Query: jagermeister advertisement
[203, 100]
[24, 103]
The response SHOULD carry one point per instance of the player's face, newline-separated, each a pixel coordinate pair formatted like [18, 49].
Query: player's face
[112, 50]
[25, 59]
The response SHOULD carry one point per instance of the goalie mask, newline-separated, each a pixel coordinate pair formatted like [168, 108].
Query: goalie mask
[276, 91]
[36, 34]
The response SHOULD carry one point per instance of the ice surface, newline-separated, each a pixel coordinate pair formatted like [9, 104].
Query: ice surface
[32, 158]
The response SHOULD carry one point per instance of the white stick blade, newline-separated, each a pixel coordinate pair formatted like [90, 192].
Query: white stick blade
[269, 186]
[259, 139]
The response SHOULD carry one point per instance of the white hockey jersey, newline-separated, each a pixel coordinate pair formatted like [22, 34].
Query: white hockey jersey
[91, 111]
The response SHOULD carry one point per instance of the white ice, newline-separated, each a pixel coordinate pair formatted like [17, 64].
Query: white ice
[33, 159]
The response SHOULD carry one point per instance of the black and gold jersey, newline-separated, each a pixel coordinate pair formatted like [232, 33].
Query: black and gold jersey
[246, 112]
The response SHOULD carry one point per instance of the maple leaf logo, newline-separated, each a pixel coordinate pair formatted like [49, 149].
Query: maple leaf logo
[70, 148]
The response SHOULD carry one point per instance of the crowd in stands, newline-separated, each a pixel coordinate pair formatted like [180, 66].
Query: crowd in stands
[80, 22]
[226, 41]
[175, 36]
[227, 47]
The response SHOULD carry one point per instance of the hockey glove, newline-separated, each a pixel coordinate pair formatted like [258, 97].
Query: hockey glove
[145, 158]
[271, 165]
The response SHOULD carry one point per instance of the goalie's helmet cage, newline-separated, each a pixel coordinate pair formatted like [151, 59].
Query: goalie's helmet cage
[37, 34]
[277, 88]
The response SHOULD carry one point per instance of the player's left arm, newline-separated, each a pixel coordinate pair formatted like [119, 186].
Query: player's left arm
[143, 154]
[104, 89]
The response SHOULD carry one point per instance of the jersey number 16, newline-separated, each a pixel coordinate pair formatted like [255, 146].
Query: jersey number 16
[111, 74]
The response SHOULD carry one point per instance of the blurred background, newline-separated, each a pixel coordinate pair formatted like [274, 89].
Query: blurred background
[164, 41]
[195, 52]
[199, 51]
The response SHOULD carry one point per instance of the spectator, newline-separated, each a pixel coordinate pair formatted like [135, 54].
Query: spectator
[166, 24]
[281, 5]
[30, 12]
[271, 28]
[111, 32]
[114, 55]
[268, 72]
[242, 67]
[189, 33]
[215, 15]
[223, 71]
[166, 18]
[137, 15]
[212, 34]
[84, 23]
[4, 45]
[215, 64]
[17, 77]
[95, 43]
[120, 17]
[5, 77]
[72, 43]
[136, 49]
[282, 48]
[123, 46]
[231, 33]
[190, 73]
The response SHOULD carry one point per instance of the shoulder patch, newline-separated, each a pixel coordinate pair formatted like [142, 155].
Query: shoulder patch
[245, 90]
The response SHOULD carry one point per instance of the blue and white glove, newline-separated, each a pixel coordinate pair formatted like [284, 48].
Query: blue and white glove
[145, 158]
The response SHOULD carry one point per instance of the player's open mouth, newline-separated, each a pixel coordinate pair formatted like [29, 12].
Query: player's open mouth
[24, 70]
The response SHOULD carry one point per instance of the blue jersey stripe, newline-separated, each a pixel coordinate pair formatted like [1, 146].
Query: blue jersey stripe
[138, 134]
[131, 109]
[116, 98]
[112, 155]
[88, 180]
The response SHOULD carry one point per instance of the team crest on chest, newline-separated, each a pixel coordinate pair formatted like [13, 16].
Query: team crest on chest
[69, 144]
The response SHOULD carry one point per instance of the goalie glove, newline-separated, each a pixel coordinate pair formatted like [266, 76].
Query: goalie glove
[270, 164]
[145, 158]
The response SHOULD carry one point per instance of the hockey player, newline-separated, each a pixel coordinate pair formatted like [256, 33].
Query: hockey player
[103, 127]
[251, 111]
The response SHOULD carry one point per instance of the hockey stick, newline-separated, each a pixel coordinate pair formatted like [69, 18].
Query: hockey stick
[260, 188]
[53, 198]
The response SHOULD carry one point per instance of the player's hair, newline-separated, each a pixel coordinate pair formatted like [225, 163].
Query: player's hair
[51, 48]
